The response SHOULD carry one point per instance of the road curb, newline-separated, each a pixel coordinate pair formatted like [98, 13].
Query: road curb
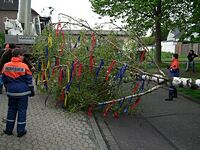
[106, 133]
[100, 141]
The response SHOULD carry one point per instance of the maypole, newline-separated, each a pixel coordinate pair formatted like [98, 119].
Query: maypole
[96, 71]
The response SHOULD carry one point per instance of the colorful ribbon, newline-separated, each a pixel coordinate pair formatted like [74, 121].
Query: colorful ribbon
[99, 68]
[135, 103]
[110, 69]
[142, 57]
[121, 72]
[93, 42]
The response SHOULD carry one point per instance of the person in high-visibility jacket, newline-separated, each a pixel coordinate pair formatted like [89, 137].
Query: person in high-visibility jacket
[17, 77]
[6, 55]
[173, 72]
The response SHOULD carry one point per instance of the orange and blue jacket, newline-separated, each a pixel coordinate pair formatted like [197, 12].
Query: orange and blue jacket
[174, 64]
[17, 78]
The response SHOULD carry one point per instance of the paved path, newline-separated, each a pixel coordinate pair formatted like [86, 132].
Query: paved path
[49, 128]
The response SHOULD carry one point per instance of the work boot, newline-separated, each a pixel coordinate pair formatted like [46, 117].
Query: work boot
[169, 99]
[21, 133]
[7, 132]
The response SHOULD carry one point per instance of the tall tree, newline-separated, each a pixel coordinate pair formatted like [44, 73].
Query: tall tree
[142, 15]
[193, 24]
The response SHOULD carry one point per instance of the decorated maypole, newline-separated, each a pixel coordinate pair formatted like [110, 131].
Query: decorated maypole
[95, 72]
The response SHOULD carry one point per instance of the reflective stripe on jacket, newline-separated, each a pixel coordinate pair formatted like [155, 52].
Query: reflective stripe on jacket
[17, 77]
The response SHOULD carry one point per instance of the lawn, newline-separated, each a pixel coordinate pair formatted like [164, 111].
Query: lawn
[166, 59]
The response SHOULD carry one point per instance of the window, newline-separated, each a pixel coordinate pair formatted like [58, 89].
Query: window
[8, 1]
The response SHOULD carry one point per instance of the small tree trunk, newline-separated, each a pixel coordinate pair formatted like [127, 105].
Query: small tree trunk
[158, 33]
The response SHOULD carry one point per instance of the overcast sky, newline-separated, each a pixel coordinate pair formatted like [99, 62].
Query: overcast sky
[75, 8]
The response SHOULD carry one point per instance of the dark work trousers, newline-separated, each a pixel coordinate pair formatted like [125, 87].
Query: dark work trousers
[190, 64]
[172, 88]
[17, 106]
[172, 92]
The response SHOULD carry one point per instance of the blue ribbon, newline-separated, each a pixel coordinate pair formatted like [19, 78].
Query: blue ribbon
[46, 85]
[121, 72]
[46, 54]
[141, 86]
[70, 80]
[121, 103]
[68, 86]
[71, 70]
[39, 65]
[127, 105]
[77, 42]
[99, 68]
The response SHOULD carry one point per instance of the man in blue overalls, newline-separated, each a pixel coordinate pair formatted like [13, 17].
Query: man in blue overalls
[17, 78]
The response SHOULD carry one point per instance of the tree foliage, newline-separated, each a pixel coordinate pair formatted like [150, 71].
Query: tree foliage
[149, 41]
[58, 67]
[193, 24]
[141, 16]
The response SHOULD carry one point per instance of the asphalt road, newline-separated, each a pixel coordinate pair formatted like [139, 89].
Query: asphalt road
[162, 125]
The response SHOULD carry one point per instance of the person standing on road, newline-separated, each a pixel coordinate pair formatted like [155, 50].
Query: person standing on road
[17, 78]
[173, 72]
[190, 63]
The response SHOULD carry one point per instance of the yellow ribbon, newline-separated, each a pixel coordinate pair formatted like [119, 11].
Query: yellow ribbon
[68, 74]
[66, 98]
[48, 64]
[49, 41]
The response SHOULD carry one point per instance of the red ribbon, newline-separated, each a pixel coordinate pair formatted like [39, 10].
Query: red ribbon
[57, 61]
[57, 29]
[80, 70]
[135, 103]
[43, 76]
[62, 97]
[93, 42]
[89, 113]
[136, 87]
[142, 56]
[53, 71]
[92, 62]
[60, 77]
[61, 49]
[110, 69]
[63, 33]
[116, 115]
[75, 68]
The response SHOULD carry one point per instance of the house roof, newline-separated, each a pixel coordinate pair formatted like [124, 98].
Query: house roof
[174, 35]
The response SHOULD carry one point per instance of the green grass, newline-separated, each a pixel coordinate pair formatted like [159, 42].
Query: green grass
[167, 56]
[166, 59]
[193, 93]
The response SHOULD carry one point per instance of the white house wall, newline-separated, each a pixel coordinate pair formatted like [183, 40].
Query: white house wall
[168, 46]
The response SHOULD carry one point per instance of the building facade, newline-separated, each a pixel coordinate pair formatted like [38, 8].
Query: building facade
[9, 8]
